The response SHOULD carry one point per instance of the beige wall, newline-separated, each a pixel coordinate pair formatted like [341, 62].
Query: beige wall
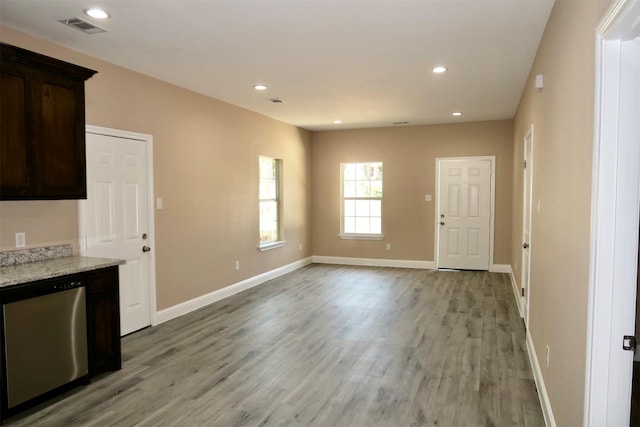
[562, 115]
[205, 165]
[409, 155]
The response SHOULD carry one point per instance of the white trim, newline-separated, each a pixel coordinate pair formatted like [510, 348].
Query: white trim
[271, 245]
[516, 292]
[547, 412]
[204, 300]
[148, 140]
[375, 262]
[354, 236]
[117, 133]
[500, 268]
[614, 220]
[492, 159]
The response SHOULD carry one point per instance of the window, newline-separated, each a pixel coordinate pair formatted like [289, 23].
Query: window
[270, 235]
[362, 200]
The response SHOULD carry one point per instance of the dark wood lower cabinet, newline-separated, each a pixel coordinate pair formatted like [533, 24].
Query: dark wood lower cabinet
[103, 321]
[101, 292]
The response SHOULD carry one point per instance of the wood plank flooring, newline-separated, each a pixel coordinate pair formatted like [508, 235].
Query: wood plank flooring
[324, 346]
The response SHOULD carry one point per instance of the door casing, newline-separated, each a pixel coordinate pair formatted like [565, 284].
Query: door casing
[615, 212]
[527, 209]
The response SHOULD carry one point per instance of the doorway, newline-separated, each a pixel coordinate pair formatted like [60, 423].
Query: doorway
[116, 219]
[615, 207]
[465, 204]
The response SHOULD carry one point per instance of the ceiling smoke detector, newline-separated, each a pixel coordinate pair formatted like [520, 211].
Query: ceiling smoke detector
[82, 25]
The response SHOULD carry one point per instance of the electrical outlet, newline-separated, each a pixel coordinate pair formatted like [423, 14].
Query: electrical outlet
[300, 247]
[547, 357]
[237, 265]
[388, 247]
[21, 239]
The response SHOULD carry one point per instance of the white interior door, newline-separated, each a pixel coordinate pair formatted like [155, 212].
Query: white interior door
[464, 213]
[114, 220]
[527, 200]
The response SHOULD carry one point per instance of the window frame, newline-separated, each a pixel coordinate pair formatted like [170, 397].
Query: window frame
[359, 236]
[279, 240]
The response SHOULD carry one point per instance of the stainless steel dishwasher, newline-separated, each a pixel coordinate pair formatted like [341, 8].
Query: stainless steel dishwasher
[45, 330]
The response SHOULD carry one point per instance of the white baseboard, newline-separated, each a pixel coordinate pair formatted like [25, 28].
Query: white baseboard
[204, 300]
[500, 268]
[542, 390]
[375, 262]
[517, 293]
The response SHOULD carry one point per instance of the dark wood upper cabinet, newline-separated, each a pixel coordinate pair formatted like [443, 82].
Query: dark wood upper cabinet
[42, 127]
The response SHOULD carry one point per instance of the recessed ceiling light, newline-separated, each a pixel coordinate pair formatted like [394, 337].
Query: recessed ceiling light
[260, 87]
[97, 13]
[337, 122]
[457, 114]
[439, 69]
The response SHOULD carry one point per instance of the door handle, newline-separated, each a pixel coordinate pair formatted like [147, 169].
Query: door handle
[441, 222]
[526, 246]
[146, 249]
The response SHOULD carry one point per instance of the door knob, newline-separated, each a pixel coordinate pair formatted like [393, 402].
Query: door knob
[441, 222]
[526, 246]
[146, 249]
[441, 215]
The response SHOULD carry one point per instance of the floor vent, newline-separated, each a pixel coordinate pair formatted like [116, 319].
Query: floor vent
[82, 25]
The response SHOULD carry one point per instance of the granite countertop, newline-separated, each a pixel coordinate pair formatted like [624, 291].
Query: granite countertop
[39, 270]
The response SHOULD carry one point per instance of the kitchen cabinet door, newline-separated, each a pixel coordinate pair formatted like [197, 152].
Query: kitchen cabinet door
[14, 132]
[103, 321]
[59, 155]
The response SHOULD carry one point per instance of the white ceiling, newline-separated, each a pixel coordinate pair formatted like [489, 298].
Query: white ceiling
[367, 63]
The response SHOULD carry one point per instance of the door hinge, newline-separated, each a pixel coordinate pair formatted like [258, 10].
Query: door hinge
[522, 291]
[629, 343]
[524, 163]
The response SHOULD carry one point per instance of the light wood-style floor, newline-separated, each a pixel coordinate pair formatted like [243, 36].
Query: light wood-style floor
[324, 346]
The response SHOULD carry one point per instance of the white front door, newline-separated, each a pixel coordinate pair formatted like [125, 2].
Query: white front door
[114, 220]
[527, 195]
[464, 213]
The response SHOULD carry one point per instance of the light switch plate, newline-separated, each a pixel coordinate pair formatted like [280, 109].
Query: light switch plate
[159, 203]
[427, 197]
[21, 239]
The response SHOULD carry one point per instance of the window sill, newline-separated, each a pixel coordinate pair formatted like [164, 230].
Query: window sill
[271, 245]
[351, 236]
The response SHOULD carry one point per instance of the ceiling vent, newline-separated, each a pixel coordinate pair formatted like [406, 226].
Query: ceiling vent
[82, 25]
[277, 100]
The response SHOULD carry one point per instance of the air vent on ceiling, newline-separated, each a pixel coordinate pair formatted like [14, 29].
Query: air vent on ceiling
[400, 123]
[277, 100]
[82, 25]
